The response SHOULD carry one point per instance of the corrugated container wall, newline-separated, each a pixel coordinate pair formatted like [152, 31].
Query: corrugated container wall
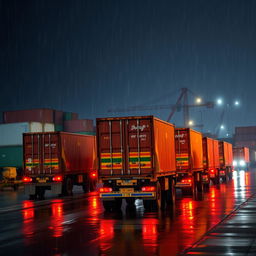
[32, 115]
[58, 117]
[11, 134]
[70, 116]
[83, 125]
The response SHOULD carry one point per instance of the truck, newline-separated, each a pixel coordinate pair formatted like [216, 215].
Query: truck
[56, 161]
[211, 160]
[136, 160]
[241, 157]
[226, 160]
[189, 161]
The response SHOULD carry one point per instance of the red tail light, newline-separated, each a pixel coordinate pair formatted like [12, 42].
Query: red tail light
[186, 181]
[105, 190]
[57, 178]
[93, 175]
[212, 171]
[27, 179]
[148, 189]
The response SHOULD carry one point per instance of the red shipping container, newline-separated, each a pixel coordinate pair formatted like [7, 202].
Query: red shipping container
[82, 125]
[241, 153]
[58, 117]
[32, 115]
[141, 146]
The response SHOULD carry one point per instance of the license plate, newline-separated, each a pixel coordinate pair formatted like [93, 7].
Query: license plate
[125, 190]
[127, 182]
[42, 180]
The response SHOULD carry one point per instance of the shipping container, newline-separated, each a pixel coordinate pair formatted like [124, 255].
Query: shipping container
[136, 160]
[32, 115]
[82, 125]
[56, 161]
[11, 134]
[226, 160]
[58, 128]
[241, 157]
[189, 160]
[11, 156]
[58, 117]
[211, 160]
[70, 116]
[47, 127]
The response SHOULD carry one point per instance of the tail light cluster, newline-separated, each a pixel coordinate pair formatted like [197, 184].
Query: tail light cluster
[106, 190]
[186, 181]
[57, 178]
[93, 175]
[26, 179]
[212, 171]
[148, 189]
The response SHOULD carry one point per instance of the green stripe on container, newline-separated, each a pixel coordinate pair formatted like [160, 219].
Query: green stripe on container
[181, 159]
[142, 159]
[108, 160]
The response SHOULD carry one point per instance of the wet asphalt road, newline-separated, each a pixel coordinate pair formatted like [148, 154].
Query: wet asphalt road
[79, 226]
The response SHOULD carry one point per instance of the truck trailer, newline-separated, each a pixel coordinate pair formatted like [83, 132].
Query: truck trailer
[56, 161]
[241, 156]
[226, 160]
[189, 160]
[211, 160]
[136, 160]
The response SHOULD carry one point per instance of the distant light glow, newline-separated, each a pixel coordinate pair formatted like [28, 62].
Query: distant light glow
[198, 100]
[222, 127]
[236, 103]
[219, 101]
[190, 122]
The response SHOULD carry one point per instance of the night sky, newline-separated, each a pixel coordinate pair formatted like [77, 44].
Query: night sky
[90, 56]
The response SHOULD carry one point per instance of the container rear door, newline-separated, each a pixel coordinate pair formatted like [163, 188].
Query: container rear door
[139, 148]
[125, 146]
[41, 154]
[111, 147]
[182, 149]
[50, 153]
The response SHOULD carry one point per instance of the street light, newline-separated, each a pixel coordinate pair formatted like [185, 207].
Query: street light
[236, 103]
[190, 122]
[222, 127]
[198, 100]
[219, 101]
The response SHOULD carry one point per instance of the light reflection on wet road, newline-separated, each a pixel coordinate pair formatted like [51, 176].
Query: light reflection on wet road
[81, 227]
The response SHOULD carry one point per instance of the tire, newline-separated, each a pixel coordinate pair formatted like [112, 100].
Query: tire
[171, 193]
[206, 186]
[160, 197]
[67, 188]
[108, 205]
[148, 205]
[130, 202]
[118, 203]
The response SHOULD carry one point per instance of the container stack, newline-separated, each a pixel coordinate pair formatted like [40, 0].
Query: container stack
[15, 123]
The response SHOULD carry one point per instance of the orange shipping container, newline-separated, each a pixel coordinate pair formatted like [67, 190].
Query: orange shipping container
[131, 146]
[189, 149]
[210, 153]
[226, 154]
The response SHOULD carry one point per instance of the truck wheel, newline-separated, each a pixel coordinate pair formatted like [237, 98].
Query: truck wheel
[32, 197]
[67, 189]
[130, 201]
[40, 193]
[160, 197]
[118, 203]
[148, 204]
[108, 205]
[171, 193]
[92, 186]
[207, 186]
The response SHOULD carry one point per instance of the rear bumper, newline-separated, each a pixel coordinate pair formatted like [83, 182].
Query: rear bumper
[112, 195]
[54, 187]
